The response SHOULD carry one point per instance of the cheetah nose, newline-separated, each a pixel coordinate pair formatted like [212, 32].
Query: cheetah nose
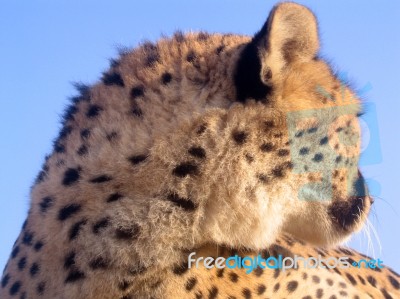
[360, 187]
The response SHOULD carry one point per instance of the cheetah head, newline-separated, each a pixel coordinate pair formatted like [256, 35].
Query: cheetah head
[313, 188]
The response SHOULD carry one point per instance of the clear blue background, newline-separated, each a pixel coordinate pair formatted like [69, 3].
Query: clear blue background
[46, 45]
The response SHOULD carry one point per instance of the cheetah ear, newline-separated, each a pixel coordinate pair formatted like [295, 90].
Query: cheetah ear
[290, 34]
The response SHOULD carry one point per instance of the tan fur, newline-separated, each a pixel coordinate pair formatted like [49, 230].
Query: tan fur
[173, 164]
[269, 283]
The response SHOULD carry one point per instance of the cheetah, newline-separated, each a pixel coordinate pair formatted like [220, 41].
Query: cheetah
[213, 144]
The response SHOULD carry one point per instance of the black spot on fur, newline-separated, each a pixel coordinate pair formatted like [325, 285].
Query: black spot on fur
[304, 151]
[258, 271]
[190, 283]
[21, 263]
[316, 279]
[362, 280]
[283, 152]
[385, 294]
[85, 134]
[197, 151]
[324, 140]
[191, 56]
[70, 112]
[41, 176]
[179, 36]
[166, 78]
[82, 150]
[371, 280]
[41, 287]
[93, 111]
[124, 233]
[136, 109]
[15, 252]
[266, 147]
[249, 158]
[276, 287]
[114, 197]
[319, 293]
[98, 263]
[46, 203]
[75, 229]
[180, 269]
[74, 275]
[112, 136]
[15, 288]
[5, 280]
[277, 272]
[65, 131]
[184, 203]
[71, 176]
[38, 245]
[137, 159]
[318, 157]
[394, 282]
[113, 79]
[299, 134]
[239, 137]
[101, 179]
[202, 36]
[153, 55]
[220, 49]
[69, 260]
[278, 171]
[233, 277]
[351, 279]
[263, 178]
[124, 285]
[34, 269]
[312, 130]
[261, 289]
[247, 76]
[59, 148]
[68, 211]
[201, 129]
[246, 293]
[292, 286]
[137, 91]
[137, 269]
[213, 292]
[152, 59]
[27, 238]
[102, 223]
[185, 169]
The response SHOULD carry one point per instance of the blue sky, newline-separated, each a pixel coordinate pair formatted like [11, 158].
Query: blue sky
[46, 45]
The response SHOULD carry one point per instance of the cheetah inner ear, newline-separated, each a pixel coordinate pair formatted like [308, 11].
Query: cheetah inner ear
[290, 35]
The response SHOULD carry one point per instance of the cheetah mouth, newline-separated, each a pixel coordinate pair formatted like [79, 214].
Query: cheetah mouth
[351, 212]
[347, 215]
